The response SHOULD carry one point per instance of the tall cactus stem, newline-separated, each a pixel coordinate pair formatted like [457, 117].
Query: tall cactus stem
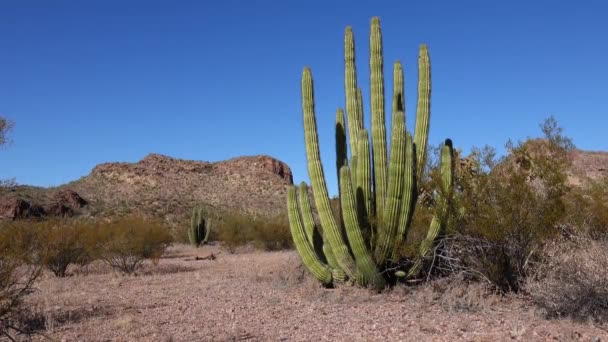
[386, 235]
[350, 89]
[368, 273]
[423, 109]
[439, 219]
[378, 121]
[341, 148]
[409, 196]
[319, 187]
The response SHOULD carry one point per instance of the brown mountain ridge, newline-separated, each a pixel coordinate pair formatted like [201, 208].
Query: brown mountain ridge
[160, 186]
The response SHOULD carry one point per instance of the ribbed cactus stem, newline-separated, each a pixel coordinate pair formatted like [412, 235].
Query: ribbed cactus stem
[363, 189]
[441, 212]
[305, 249]
[341, 148]
[398, 89]
[307, 218]
[368, 273]
[315, 236]
[319, 187]
[350, 89]
[409, 196]
[423, 109]
[199, 228]
[396, 178]
[378, 121]
[207, 231]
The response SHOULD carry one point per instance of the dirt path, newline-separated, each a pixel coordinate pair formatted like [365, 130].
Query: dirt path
[268, 297]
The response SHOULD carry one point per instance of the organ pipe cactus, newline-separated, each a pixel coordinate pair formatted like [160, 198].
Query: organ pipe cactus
[200, 226]
[378, 190]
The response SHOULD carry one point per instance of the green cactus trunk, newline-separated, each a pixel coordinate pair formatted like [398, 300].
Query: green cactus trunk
[376, 65]
[199, 228]
[315, 170]
[377, 196]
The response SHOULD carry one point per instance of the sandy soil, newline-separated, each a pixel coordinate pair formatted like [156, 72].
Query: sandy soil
[258, 296]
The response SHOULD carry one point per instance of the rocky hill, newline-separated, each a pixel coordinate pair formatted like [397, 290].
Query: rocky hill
[160, 186]
[588, 165]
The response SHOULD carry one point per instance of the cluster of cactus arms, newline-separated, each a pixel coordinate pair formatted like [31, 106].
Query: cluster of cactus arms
[200, 226]
[378, 191]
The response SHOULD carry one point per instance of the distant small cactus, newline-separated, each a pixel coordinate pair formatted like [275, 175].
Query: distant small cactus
[200, 226]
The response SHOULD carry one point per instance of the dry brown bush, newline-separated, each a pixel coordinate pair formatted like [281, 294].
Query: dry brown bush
[266, 233]
[573, 282]
[126, 242]
[17, 279]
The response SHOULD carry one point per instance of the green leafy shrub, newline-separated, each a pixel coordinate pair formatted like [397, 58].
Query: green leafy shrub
[266, 233]
[507, 209]
[125, 243]
[587, 208]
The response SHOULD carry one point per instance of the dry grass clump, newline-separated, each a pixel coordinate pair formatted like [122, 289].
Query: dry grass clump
[573, 282]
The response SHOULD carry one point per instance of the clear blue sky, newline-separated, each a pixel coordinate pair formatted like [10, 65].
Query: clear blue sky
[94, 81]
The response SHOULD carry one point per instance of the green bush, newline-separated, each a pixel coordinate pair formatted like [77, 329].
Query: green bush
[266, 233]
[125, 243]
[507, 209]
[587, 209]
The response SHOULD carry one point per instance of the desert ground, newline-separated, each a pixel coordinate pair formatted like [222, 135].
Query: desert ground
[267, 296]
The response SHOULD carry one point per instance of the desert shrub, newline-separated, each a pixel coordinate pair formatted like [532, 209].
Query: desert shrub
[587, 208]
[126, 242]
[17, 279]
[64, 243]
[574, 280]
[505, 210]
[266, 233]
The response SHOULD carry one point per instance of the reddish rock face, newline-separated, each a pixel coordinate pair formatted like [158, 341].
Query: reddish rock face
[66, 203]
[16, 208]
[70, 199]
[277, 167]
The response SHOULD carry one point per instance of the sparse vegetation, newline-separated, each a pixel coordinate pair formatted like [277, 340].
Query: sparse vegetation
[125, 243]
[573, 282]
[265, 233]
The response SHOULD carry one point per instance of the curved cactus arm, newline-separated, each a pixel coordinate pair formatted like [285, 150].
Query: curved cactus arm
[307, 254]
[423, 109]
[378, 121]
[341, 148]
[410, 191]
[368, 273]
[439, 219]
[396, 181]
[315, 236]
[319, 187]
[307, 218]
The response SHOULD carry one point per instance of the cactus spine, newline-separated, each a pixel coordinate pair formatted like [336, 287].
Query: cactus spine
[199, 228]
[377, 196]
